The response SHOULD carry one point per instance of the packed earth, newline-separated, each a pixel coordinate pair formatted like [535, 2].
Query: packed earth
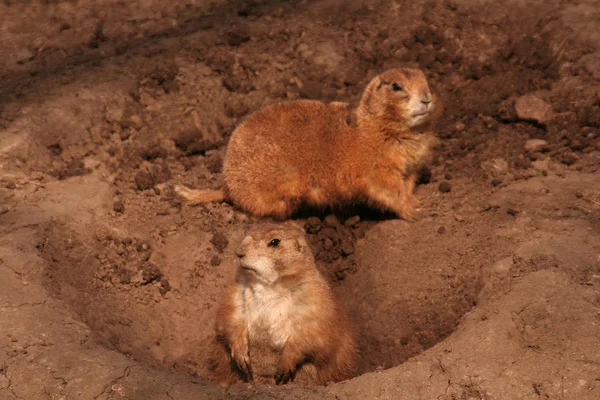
[109, 282]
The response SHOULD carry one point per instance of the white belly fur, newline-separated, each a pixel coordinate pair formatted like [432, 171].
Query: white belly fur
[269, 313]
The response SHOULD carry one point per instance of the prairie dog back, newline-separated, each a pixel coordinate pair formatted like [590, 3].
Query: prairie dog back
[329, 155]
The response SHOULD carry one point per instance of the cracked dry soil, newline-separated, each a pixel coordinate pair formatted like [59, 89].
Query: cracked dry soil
[109, 283]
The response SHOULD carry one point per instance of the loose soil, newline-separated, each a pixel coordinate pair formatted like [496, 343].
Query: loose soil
[110, 283]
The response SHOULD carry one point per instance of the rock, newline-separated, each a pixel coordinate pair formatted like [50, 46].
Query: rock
[215, 260]
[143, 245]
[150, 175]
[496, 182]
[143, 180]
[312, 225]
[352, 221]
[301, 48]
[330, 233]
[347, 245]
[150, 273]
[304, 51]
[496, 166]
[532, 108]
[568, 159]
[533, 145]
[332, 221]
[219, 240]
[445, 187]
[119, 206]
[165, 286]
[194, 141]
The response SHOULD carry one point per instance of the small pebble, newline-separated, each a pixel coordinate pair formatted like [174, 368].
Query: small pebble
[143, 246]
[219, 240]
[496, 182]
[312, 225]
[215, 260]
[441, 230]
[535, 145]
[350, 222]
[512, 211]
[445, 187]
[331, 220]
[165, 287]
[459, 127]
[118, 206]
[568, 159]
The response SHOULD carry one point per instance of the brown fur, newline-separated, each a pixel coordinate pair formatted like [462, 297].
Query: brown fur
[279, 321]
[330, 154]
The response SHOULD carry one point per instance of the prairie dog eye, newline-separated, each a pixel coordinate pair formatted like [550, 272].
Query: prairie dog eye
[396, 87]
[274, 242]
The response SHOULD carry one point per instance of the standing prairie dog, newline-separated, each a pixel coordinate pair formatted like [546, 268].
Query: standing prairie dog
[325, 155]
[279, 321]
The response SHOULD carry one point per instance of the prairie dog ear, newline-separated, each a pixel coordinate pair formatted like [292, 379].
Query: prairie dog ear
[295, 225]
[301, 244]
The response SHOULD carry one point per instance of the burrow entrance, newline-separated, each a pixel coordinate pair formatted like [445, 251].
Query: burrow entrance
[156, 302]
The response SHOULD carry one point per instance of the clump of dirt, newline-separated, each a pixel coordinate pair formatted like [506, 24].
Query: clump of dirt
[334, 243]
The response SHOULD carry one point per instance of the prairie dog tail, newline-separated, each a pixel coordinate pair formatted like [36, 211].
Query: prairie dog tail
[194, 197]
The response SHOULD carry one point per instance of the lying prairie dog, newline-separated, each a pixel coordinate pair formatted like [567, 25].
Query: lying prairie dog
[329, 155]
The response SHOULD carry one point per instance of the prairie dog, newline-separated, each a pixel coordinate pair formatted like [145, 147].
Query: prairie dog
[327, 155]
[279, 321]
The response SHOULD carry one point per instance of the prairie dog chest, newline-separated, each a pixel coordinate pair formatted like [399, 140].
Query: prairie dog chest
[269, 313]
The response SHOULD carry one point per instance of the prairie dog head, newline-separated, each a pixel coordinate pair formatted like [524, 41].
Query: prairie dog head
[400, 97]
[270, 252]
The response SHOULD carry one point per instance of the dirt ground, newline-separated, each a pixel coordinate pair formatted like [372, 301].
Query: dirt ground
[109, 283]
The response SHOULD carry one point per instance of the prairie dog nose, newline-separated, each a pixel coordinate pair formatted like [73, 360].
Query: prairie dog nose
[242, 248]
[240, 252]
[426, 99]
